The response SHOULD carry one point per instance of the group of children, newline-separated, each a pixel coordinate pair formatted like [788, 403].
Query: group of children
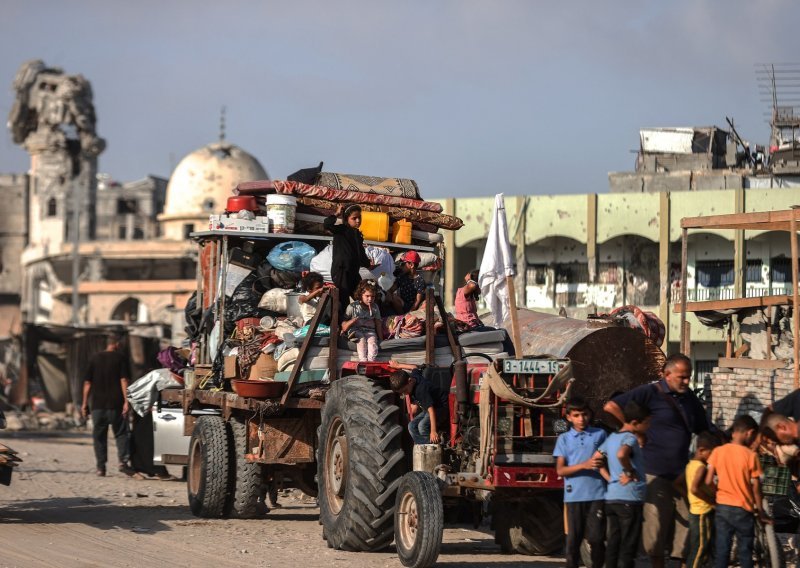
[605, 486]
[361, 314]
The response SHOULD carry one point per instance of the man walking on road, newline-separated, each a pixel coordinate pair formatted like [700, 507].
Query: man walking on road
[677, 413]
[106, 386]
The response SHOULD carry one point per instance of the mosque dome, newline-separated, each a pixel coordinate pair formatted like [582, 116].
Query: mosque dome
[203, 180]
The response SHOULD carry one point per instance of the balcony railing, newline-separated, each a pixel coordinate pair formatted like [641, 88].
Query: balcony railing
[728, 293]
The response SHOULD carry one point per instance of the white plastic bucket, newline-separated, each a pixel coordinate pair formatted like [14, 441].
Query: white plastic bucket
[281, 212]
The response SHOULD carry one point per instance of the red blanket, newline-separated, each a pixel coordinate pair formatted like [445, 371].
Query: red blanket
[331, 194]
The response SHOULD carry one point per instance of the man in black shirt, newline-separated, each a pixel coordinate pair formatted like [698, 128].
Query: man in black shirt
[676, 415]
[427, 397]
[106, 387]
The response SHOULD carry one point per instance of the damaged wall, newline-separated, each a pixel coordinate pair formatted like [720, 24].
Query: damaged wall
[731, 392]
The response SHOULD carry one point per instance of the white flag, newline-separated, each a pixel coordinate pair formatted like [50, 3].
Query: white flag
[497, 263]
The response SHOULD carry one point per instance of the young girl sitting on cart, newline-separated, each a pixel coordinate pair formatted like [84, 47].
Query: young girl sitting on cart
[363, 322]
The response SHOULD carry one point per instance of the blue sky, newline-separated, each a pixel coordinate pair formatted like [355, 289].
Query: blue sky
[468, 98]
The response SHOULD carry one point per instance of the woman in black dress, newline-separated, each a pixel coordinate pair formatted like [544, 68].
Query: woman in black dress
[348, 252]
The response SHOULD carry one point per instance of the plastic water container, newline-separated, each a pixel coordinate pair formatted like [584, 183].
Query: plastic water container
[426, 457]
[401, 232]
[375, 226]
[281, 212]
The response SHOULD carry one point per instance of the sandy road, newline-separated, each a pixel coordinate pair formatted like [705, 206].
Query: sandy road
[57, 513]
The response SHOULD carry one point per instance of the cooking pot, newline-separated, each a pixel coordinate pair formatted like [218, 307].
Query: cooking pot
[238, 203]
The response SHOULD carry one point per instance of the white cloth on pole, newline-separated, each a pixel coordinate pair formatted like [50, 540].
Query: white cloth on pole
[497, 263]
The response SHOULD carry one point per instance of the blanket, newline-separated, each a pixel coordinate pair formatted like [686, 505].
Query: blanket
[416, 216]
[332, 194]
[369, 184]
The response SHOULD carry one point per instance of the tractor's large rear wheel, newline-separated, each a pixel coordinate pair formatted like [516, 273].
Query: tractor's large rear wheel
[533, 527]
[359, 464]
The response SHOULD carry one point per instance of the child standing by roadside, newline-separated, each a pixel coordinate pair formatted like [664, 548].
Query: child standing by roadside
[737, 469]
[701, 502]
[626, 486]
[584, 486]
[314, 286]
[363, 322]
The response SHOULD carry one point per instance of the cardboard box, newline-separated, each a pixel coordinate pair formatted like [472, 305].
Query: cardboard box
[264, 368]
[226, 223]
[230, 369]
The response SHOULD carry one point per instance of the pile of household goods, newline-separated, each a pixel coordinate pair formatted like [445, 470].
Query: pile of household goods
[264, 324]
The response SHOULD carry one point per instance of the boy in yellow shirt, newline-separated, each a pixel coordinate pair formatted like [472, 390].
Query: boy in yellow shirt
[701, 502]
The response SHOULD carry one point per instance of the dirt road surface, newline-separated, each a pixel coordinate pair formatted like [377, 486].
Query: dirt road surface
[57, 513]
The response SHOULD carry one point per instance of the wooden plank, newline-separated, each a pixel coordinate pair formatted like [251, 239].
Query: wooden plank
[734, 363]
[333, 343]
[795, 292]
[301, 357]
[429, 329]
[768, 329]
[512, 307]
[759, 221]
[736, 303]
[451, 338]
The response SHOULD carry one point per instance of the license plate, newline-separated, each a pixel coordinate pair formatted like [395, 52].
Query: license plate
[533, 366]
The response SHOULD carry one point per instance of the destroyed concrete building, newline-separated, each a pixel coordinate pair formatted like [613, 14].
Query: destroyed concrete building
[134, 264]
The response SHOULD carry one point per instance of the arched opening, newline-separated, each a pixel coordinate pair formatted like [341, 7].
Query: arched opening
[556, 274]
[130, 310]
[629, 263]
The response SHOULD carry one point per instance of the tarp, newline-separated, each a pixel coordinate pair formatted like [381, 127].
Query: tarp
[497, 264]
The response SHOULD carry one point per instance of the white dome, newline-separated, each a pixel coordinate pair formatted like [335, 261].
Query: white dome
[203, 180]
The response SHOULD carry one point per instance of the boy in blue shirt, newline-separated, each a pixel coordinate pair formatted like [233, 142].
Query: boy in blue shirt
[579, 464]
[626, 485]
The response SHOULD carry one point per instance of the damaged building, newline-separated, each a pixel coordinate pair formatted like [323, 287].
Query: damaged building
[128, 265]
[591, 252]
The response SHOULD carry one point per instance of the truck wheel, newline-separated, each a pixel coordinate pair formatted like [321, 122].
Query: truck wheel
[418, 520]
[359, 464]
[534, 527]
[209, 470]
[249, 490]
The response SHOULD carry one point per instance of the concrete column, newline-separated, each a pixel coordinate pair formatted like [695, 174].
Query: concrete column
[591, 236]
[739, 249]
[663, 260]
[450, 276]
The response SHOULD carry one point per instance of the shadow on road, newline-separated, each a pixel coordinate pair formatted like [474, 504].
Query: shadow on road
[98, 513]
[486, 547]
